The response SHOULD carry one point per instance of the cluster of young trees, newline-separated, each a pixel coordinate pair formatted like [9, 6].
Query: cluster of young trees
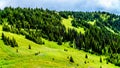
[35, 36]
[114, 58]
[8, 41]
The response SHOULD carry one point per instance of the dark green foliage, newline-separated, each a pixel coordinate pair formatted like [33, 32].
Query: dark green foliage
[37, 53]
[77, 64]
[64, 14]
[36, 23]
[88, 62]
[59, 41]
[3, 36]
[100, 60]
[29, 47]
[114, 58]
[34, 38]
[53, 59]
[6, 28]
[65, 50]
[17, 50]
[71, 59]
[85, 62]
[68, 57]
[100, 66]
[86, 56]
[12, 42]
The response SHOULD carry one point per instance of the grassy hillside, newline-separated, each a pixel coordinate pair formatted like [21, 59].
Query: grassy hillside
[33, 38]
[51, 55]
[68, 24]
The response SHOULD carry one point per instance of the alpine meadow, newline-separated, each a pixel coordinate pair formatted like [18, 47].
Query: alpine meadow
[45, 38]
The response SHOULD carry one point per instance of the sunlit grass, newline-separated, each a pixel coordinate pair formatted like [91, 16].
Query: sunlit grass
[110, 29]
[92, 22]
[68, 24]
[104, 17]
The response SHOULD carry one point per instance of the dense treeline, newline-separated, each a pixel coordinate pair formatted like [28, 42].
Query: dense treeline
[8, 41]
[81, 18]
[33, 23]
[97, 39]
[114, 58]
[37, 23]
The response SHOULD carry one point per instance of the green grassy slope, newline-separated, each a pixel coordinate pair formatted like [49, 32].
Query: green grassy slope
[26, 58]
[68, 24]
[92, 22]
[51, 55]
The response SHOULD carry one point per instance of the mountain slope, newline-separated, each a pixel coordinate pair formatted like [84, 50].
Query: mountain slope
[52, 38]
[51, 55]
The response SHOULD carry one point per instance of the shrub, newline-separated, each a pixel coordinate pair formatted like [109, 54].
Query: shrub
[100, 60]
[17, 50]
[77, 64]
[71, 59]
[65, 50]
[86, 56]
[37, 53]
[53, 59]
[68, 57]
[85, 62]
[29, 47]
